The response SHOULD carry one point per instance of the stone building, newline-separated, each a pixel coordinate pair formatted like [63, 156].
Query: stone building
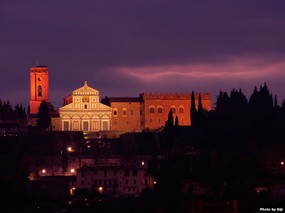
[126, 113]
[150, 110]
[82, 111]
[114, 180]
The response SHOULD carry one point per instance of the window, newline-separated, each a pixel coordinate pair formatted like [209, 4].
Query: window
[181, 109]
[151, 109]
[115, 112]
[75, 125]
[159, 109]
[135, 172]
[127, 182]
[105, 173]
[95, 125]
[135, 181]
[40, 91]
[65, 125]
[85, 126]
[85, 106]
[124, 112]
[173, 108]
[127, 172]
[85, 99]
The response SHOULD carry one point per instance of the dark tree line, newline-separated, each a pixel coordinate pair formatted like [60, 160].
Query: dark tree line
[7, 112]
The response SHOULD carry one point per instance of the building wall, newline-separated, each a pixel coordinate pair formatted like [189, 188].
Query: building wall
[112, 180]
[157, 107]
[126, 116]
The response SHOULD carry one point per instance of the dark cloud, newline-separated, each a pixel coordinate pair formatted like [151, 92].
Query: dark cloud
[92, 40]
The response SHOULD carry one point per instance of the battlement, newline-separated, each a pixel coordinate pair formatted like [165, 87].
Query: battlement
[174, 96]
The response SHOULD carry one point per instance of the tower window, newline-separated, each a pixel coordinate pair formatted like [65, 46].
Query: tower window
[151, 109]
[40, 91]
[159, 109]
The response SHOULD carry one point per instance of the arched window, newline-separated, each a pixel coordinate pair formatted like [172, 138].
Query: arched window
[159, 109]
[181, 109]
[40, 91]
[173, 108]
[115, 111]
[124, 112]
[151, 109]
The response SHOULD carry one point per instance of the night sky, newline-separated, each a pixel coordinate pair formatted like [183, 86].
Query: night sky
[126, 47]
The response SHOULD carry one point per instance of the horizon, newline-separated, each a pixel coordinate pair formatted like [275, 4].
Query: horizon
[126, 48]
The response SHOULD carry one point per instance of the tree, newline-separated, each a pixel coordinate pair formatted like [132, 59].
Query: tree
[193, 110]
[176, 121]
[43, 121]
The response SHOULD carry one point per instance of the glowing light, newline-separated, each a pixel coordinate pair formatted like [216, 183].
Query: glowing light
[142, 163]
[72, 170]
[154, 182]
[100, 189]
[43, 171]
[282, 162]
[72, 192]
[69, 149]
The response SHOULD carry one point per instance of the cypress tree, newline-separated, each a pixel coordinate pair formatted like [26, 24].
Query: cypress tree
[43, 121]
[193, 110]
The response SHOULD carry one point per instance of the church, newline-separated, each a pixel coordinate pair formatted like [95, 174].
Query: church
[83, 111]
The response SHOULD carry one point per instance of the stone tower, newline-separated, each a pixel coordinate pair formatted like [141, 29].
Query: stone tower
[38, 87]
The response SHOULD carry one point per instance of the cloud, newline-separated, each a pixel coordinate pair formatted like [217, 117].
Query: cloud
[234, 69]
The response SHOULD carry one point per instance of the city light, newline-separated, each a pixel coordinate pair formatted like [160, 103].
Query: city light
[43, 171]
[100, 189]
[72, 170]
[69, 149]
[282, 163]
[142, 163]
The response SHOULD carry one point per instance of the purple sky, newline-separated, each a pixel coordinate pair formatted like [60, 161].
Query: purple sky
[126, 47]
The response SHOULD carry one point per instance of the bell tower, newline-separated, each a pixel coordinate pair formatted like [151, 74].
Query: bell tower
[38, 87]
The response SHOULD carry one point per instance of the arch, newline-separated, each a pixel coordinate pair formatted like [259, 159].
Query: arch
[115, 112]
[173, 108]
[124, 111]
[181, 109]
[151, 109]
[159, 109]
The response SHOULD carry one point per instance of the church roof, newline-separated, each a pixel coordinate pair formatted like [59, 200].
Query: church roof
[85, 90]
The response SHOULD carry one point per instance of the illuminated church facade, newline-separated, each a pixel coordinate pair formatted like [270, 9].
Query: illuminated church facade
[83, 111]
